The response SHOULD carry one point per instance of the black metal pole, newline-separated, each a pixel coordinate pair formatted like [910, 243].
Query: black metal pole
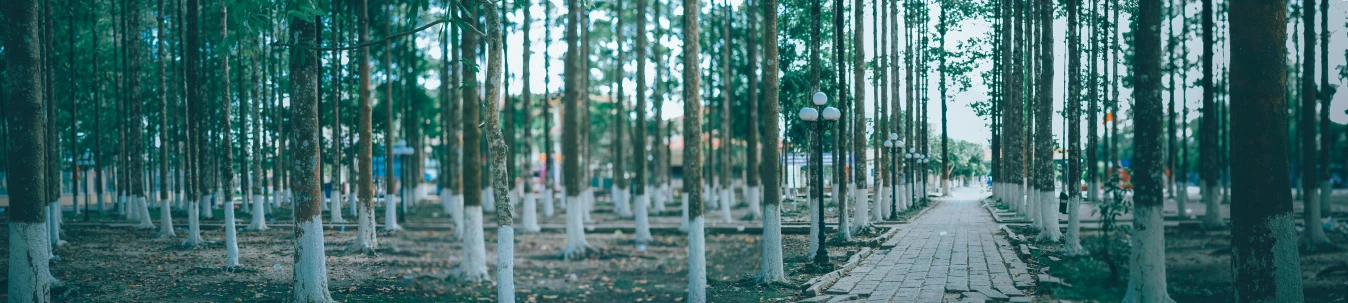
[820, 255]
[893, 192]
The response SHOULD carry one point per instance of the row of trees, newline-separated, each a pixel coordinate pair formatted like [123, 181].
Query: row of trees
[1253, 87]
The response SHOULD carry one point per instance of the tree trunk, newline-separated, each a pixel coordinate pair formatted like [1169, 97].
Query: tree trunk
[227, 168]
[1073, 108]
[692, 153]
[526, 98]
[1315, 236]
[165, 216]
[310, 277]
[1263, 239]
[366, 241]
[575, 72]
[772, 189]
[859, 117]
[639, 139]
[1208, 128]
[725, 191]
[1043, 150]
[195, 137]
[1147, 260]
[505, 234]
[390, 182]
[29, 277]
[474, 265]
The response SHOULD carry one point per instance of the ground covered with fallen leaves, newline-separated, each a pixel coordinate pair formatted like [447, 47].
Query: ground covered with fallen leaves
[105, 261]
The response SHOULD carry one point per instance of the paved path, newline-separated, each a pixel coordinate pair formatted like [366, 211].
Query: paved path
[950, 253]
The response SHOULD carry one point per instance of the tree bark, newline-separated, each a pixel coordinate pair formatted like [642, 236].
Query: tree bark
[1263, 240]
[1147, 260]
[772, 189]
[310, 276]
[366, 240]
[692, 151]
[29, 278]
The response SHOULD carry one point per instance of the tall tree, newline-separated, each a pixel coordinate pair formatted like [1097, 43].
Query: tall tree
[29, 277]
[526, 98]
[639, 139]
[692, 152]
[474, 265]
[575, 72]
[338, 157]
[227, 167]
[724, 194]
[1147, 259]
[1306, 125]
[769, 170]
[753, 192]
[390, 182]
[196, 192]
[859, 114]
[505, 241]
[1207, 134]
[1072, 173]
[1263, 239]
[1326, 95]
[366, 240]
[1043, 123]
[165, 216]
[621, 194]
[310, 276]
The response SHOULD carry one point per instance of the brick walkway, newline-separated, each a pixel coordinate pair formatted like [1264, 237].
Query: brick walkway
[950, 253]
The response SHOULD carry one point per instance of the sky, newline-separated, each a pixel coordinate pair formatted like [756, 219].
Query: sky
[963, 123]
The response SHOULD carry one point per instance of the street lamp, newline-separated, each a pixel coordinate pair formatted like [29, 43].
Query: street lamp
[895, 146]
[810, 115]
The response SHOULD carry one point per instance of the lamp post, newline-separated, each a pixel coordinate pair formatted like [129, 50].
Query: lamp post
[894, 146]
[810, 115]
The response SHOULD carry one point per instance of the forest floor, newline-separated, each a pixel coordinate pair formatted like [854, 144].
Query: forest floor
[1198, 267]
[104, 261]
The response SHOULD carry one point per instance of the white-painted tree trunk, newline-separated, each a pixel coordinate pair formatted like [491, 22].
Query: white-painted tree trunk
[194, 224]
[474, 265]
[697, 262]
[621, 204]
[1093, 191]
[366, 239]
[29, 276]
[531, 213]
[211, 201]
[863, 217]
[231, 238]
[166, 220]
[1146, 271]
[391, 213]
[121, 204]
[586, 202]
[54, 224]
[1213, 217]
[311, 268]
[547, 203]
[456, 213]
[643, 220]
[683, 222]
[576, 245]
[1032, 210]
[1182, 200]
[259, 222]
[727, 198]
[661, 196]
[336, 211]
[905, 199]
[882, 204]
[815, 227]
[772, 271]
[753, 195]
[1048, 211]
[945, 187]
[143, 208]
[1073, 245]
[505, 264]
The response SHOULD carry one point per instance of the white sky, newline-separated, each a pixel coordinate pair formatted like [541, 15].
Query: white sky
[964, 125]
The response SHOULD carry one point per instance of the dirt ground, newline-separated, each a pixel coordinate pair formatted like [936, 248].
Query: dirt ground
[1198, 269]
[118, 264]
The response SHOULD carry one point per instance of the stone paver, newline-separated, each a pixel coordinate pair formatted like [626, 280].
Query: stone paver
[951, 249]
